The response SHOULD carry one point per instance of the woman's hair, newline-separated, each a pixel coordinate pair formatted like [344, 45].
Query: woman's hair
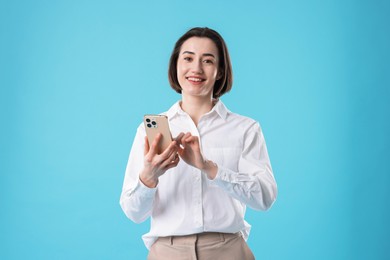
[225, 82]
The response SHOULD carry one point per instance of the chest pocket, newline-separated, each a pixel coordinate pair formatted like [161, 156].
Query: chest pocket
[227, 157]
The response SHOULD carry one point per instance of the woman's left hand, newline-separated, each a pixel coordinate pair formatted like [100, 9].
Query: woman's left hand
[189, 151]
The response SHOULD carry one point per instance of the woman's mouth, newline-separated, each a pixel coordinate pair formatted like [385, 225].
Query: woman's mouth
[195, 79]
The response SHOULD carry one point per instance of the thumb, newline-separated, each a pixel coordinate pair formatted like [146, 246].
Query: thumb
[146, 146]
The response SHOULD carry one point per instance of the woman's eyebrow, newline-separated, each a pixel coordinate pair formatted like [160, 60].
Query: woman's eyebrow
[208, 54]
[193, 53]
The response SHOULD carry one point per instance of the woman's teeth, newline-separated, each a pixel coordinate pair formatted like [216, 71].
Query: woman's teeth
[195, 79]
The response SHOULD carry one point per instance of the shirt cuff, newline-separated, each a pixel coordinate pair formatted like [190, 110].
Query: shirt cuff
[224, 175]
[142, 190]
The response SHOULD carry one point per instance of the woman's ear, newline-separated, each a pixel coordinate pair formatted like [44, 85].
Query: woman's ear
[219, 75]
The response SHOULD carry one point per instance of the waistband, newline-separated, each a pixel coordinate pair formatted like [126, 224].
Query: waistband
[200, 238]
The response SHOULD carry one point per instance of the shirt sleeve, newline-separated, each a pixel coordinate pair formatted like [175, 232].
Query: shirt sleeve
[254, 183]
[136, 199]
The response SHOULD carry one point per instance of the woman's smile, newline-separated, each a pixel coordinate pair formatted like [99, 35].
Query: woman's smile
[197, 67]
[195, 80]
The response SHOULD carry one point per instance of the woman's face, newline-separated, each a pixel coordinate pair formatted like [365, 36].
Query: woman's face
[197, 67]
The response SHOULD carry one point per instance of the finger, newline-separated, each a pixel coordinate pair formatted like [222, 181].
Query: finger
[191, 137]
[173, 163]
[181, 148]
[154, 147]
[190, 141]
[180, 152]
[169, 160]
[146, 146]
[184, 138]
[188, 134]
[172, 148]
[179, 137]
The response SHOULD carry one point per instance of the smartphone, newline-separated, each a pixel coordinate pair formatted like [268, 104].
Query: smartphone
[155, 124]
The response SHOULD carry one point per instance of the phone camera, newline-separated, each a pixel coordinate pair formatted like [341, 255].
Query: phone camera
[151, 122]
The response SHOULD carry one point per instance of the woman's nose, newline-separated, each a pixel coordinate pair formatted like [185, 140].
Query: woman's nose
[197, 67]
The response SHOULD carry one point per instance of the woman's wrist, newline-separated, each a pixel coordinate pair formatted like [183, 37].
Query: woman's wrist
[210, 168]
[148, 181]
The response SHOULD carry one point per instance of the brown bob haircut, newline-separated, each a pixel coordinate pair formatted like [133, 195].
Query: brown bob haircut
[225, 82]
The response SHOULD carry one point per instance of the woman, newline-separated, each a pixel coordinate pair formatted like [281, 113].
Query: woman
[197, 190]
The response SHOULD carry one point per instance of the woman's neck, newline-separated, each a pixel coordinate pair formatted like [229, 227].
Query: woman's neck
[196, 107]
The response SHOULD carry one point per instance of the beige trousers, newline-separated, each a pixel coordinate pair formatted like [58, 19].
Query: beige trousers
[203, 246]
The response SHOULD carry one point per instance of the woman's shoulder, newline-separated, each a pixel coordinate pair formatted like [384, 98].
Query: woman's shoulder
[239, 119]
[242, 118]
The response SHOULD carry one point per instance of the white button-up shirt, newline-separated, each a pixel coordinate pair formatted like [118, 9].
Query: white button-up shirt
[185, 201]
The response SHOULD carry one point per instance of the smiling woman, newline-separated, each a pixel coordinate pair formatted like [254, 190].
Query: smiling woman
[198, 67]
[196, 191]
[211, 40]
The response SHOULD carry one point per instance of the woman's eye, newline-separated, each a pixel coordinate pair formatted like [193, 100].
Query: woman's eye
[208, 61]
[187, 59]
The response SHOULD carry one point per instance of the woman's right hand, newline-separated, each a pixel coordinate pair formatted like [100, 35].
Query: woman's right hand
[155, 164]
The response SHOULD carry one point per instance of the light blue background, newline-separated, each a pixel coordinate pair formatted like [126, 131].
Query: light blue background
[77, 77]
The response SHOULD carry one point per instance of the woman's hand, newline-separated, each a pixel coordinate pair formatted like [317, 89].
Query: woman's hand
[155, 164]
[189, 151]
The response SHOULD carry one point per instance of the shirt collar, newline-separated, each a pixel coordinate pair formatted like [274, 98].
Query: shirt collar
[219, 108]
